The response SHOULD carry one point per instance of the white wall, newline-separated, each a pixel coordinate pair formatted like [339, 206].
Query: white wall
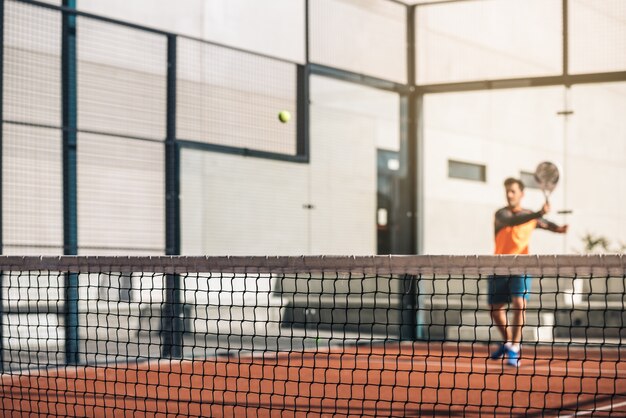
[272, 27]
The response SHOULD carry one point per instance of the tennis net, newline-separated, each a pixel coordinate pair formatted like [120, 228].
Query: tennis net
[347, 336]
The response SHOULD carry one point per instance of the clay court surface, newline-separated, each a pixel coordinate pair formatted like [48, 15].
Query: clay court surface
[400, 380]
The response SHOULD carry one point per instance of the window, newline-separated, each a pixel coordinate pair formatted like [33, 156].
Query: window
[528, 179]
[467, 171]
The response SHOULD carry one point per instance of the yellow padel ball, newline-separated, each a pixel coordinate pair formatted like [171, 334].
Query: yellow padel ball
[284, 116]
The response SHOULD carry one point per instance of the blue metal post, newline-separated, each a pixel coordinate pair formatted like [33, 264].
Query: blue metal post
[70, 212]
[411, 300]
[172, 312]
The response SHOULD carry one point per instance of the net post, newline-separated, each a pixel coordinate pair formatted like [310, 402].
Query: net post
[171, 319]
[408, 330]
[70, 231]
[171, 314]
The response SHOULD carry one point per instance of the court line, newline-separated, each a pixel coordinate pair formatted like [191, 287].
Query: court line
[498, 365]
[591, 411]
[487, 365]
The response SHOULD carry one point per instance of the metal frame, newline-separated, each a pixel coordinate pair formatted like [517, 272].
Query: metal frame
[172, 173]
[247, 152]
[410, 301]
[358, 78]
[557, 80]
[413, 111]
[70, 128]
[565, 43]
[1, 178]
[70, 180]
[171, 320]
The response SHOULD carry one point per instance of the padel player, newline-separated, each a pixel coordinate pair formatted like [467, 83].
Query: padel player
[513, 228]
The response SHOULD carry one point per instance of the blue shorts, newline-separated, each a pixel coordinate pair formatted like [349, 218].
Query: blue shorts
[503, 288]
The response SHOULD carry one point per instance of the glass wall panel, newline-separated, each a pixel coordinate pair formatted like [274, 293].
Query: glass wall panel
[250, 206]
[581, 129]
[355, 166]
[272, 27]
[362, 36]
[232, 98]
[488, 39]
[234, 205]
[508, 132]
[597, 36]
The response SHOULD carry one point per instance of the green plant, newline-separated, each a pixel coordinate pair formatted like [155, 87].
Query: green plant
[599, 244]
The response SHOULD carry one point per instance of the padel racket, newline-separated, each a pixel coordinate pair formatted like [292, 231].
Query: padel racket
[547, 177]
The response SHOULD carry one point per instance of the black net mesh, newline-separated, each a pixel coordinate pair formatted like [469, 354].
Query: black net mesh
[370, 336]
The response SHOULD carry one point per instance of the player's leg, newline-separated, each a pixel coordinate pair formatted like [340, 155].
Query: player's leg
[518, 306]
[500, 320]
[520, 293]
[499, 296]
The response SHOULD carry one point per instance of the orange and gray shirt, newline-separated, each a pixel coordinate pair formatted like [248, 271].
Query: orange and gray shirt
[513, 229]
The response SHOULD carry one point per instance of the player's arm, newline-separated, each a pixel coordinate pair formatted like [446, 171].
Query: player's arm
[505, 217]
[551, 226]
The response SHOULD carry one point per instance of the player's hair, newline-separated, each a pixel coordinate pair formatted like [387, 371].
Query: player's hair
[512, 180]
